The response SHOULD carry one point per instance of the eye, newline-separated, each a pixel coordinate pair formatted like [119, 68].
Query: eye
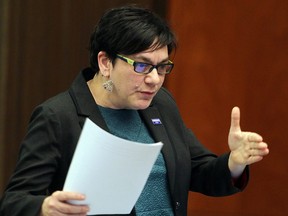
[162, 67]
[141, 67]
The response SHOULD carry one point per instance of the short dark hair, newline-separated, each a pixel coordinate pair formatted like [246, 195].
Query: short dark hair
[129, 30]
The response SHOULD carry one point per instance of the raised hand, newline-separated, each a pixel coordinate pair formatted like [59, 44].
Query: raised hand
[246, 147]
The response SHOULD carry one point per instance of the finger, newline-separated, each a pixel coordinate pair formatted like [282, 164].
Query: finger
[254, 159]
[258, 152]
[254, 137]
[66, 195]
[67, 208]
[258, 145]
[235, 120]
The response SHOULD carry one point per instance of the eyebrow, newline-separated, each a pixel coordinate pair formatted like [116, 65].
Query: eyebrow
[143, 58]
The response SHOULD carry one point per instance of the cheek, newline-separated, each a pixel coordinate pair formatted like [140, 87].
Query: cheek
[134, 82]
[162, 79]
[128, 83]
[131, 79]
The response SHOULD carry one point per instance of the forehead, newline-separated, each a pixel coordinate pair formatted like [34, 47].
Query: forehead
[153, 54]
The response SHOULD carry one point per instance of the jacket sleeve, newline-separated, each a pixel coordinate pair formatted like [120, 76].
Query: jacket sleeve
[37, 164]
[210, 174]
[207, 173]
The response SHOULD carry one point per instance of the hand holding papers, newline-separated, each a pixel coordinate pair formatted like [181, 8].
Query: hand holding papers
[109, 170]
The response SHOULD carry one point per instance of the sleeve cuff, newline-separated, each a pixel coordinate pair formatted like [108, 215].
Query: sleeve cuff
[242, 181]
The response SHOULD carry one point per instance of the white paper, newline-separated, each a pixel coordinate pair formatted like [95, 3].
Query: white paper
[109, 170]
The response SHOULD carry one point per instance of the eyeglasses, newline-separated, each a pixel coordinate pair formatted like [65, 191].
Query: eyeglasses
[145, 68]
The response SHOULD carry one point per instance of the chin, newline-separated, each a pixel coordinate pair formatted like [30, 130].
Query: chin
[142, 106]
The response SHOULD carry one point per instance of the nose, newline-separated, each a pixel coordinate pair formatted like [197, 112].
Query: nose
[153, 77]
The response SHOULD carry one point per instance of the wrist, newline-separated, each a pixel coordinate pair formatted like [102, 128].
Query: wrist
[236, 169]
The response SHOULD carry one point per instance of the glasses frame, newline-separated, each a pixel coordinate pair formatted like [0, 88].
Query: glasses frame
[134, 64]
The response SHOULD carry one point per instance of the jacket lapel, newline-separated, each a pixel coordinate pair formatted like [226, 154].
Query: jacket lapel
[84, 101]
[153, 121]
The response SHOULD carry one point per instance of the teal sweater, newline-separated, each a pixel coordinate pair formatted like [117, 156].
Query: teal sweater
[155, 197]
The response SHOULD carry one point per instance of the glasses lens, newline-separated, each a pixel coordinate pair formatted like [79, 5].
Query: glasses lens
[141, 67]
[165, 68]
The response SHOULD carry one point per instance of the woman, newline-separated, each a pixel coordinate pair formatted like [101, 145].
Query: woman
[122, 92]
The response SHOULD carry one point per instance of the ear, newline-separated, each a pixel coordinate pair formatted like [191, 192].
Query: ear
[104, 64]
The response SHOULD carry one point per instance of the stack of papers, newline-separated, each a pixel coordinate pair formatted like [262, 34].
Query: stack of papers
[110, 171]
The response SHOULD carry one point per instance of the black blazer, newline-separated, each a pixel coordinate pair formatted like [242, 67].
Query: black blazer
[52, 136]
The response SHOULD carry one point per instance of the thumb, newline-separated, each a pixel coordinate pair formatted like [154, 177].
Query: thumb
[235, 120]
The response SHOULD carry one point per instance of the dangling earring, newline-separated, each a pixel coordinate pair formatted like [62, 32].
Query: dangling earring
[108, 85]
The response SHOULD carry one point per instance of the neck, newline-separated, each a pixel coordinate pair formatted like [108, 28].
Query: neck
[99, 94]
